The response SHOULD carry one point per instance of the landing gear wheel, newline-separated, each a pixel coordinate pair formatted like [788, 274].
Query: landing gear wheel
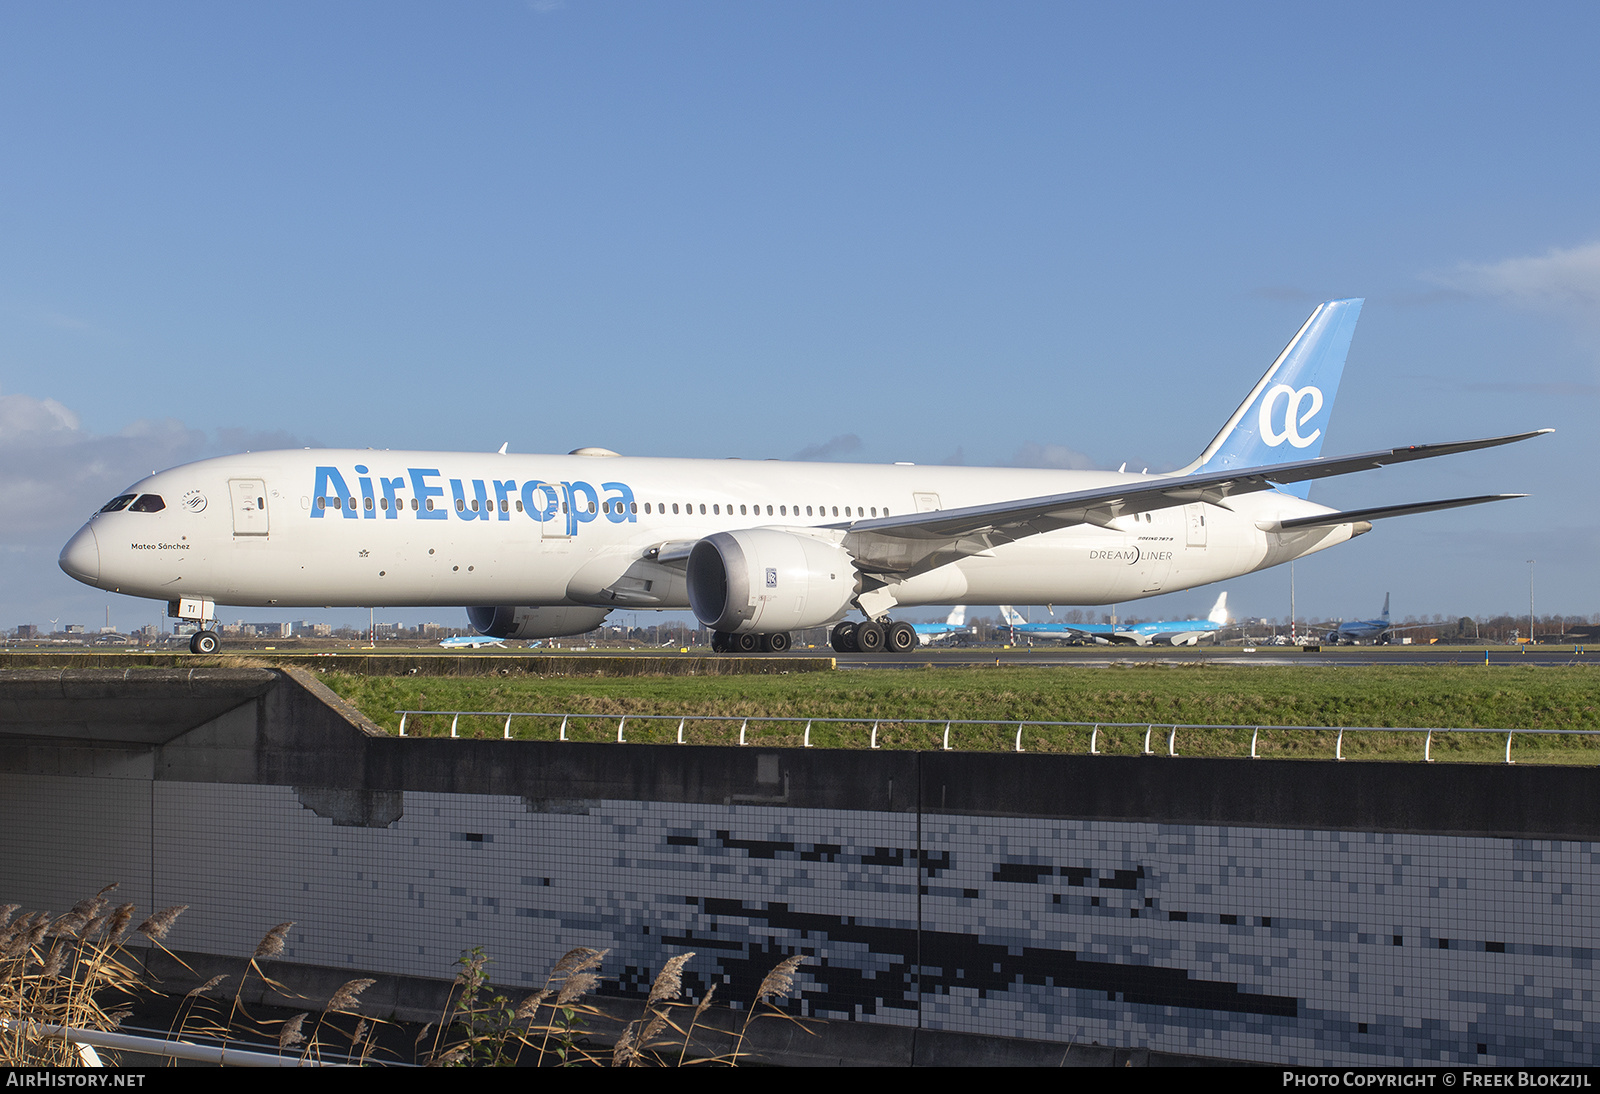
[745, 643]
[843, 639]
[900, 638]
[719, 641]
[204, 642]
[775, 643]
[869, 637]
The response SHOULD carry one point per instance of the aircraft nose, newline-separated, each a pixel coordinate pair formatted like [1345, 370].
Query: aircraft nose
[80, 558]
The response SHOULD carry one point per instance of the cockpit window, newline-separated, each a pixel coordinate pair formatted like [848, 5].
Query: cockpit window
[117, 503]
[148, 503]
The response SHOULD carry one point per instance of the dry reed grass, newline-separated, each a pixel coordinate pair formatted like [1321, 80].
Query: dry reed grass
[73, 971]
[70, 971]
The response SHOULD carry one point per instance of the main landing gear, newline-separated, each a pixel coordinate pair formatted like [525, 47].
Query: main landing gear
[204, 642]
[873, 637]
[728, 642]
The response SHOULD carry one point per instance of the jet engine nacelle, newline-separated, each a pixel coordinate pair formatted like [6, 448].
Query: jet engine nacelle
[543, 622]
[764, 581]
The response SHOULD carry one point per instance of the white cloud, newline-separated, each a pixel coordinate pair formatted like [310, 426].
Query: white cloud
[1566, 282]
[26, 420]
[53, 473]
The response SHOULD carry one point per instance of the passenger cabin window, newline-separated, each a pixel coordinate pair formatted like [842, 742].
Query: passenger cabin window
[117, 503]
[148, 503]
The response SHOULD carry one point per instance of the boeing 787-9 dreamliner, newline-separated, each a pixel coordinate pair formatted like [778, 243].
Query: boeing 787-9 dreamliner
[542, 546]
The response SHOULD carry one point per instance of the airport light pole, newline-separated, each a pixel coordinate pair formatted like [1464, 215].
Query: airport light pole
[1530, 601]
[1291, 603]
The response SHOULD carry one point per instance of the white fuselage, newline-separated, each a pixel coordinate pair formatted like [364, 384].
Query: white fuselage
[362, 527]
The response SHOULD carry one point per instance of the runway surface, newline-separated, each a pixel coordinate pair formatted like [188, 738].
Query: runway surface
[1102, 656]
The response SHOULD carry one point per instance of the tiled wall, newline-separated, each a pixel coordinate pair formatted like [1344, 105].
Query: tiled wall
[1257, 943]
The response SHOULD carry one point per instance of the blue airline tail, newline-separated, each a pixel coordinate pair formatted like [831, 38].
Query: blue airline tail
[1286, 414]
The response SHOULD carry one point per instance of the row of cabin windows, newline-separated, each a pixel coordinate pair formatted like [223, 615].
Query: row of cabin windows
[607, 507]
[858, 512]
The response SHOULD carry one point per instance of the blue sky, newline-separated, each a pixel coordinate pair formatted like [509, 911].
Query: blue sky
[1053, 234]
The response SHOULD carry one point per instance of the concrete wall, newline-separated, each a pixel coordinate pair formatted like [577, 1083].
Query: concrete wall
[1286, 911]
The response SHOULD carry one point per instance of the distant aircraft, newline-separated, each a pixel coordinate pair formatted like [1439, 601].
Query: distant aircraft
[546, 546]
[473, 641]
[1180, 632]
[954, 625]
[1363, 630]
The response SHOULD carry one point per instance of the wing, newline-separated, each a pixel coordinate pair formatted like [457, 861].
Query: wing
[912, 544]
[1179, 636]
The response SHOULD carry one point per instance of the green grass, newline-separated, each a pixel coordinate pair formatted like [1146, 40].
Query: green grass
[1472, 696]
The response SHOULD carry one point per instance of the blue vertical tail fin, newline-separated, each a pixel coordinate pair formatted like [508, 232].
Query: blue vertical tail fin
[1286, 414]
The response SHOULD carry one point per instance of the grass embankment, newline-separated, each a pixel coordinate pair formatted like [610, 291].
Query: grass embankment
[1444, 697]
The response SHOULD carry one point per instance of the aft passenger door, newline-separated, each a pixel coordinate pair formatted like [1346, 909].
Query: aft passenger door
[249, 506]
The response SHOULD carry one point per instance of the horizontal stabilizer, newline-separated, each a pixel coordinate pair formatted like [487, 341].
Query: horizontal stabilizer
[1353, 515]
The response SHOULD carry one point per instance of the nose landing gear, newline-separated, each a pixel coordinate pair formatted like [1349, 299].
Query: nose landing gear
[204, 642]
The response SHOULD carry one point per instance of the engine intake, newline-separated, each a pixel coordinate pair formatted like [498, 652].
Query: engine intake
[764, 581]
